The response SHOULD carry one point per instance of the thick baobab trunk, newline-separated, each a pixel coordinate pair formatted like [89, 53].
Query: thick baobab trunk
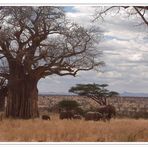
[22, 101]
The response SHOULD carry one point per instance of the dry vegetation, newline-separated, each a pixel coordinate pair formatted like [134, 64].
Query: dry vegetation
[37, 130]
[122, 104]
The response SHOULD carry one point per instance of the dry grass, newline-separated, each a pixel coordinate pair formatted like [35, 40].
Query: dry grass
[117, 130]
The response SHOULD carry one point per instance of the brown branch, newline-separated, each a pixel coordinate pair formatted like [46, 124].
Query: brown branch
[95, 99]
[102, 12]
[4, 75]
[6, 52]
[2, 57]
[142, 16]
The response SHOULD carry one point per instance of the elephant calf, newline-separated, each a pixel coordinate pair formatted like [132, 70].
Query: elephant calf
[45, 117]
[66, 115]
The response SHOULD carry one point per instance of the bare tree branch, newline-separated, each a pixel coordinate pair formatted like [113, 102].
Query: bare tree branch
[40, 41]
[141, 11]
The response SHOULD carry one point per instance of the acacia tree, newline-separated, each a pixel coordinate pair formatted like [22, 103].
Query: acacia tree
[97, 92]
[36, 42]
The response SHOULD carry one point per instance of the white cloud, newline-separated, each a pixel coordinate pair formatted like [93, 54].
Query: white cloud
[125, 52]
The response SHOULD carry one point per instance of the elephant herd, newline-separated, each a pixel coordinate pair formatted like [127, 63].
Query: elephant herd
[103, 113]
[69, 115]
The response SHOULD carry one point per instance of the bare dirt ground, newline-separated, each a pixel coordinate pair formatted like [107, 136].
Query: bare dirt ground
[55, 130]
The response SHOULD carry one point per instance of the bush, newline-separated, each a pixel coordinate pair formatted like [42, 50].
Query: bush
[141, 114]
[80, 111]
[68, 105]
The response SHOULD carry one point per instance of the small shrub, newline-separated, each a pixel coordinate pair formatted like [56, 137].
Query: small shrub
[80, 111]
[68, 105]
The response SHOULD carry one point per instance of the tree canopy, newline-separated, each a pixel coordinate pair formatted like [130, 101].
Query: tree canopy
[41, 41]
[97, 92]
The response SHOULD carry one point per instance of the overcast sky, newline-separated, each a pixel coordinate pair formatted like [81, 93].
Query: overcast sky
[125, 51]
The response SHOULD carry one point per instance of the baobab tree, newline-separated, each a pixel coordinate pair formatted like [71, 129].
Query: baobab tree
[36, 42]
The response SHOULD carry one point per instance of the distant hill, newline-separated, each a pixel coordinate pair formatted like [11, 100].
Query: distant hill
[55, 94]
[126, 94]
[134, 94]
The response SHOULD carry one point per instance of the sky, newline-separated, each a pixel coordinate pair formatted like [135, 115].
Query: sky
[124, 44]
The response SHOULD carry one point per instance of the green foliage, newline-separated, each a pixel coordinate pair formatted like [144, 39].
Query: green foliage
[134, 115]
[141, 114]
[68, 104]
[80, 111]
[113, 93]
[85, 89]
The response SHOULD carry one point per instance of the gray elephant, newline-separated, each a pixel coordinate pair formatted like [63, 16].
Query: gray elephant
[93, 116]
[107, 111]
[66, 115]
[77, 116]
[45, 117]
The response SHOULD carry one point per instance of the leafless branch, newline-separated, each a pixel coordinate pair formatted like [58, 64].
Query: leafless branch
[40, 41]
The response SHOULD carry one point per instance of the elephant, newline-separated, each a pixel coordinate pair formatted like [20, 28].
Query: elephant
[45, 117]
[77, 116]
[66, 115]
[93, 116]
[107, 111]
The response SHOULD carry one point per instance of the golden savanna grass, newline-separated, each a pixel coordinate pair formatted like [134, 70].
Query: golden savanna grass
[37, 130]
